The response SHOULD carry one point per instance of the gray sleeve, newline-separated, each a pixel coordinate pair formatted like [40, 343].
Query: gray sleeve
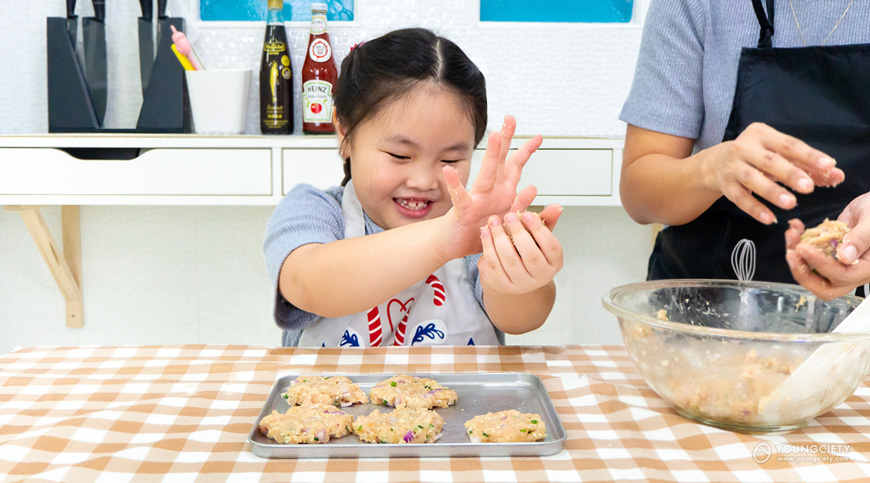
[666, 93]
[306, 215]
[474, 278]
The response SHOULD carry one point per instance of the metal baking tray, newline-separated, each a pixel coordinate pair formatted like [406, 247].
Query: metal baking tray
[478, 393]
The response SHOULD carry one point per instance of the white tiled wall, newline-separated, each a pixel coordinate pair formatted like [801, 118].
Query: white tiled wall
[557, 79]
[172, 275]
[169, 275]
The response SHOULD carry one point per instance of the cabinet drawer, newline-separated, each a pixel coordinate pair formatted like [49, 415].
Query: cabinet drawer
[319, 167]
[564, 172]
[183, 171]
[555, 172]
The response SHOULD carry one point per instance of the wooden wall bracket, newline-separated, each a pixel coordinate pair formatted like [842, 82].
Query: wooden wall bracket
[66, 269]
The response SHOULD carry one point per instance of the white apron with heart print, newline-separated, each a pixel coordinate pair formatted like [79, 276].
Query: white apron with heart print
[439, 310]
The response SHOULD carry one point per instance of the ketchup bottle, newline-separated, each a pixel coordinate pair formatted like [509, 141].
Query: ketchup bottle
[319, 74]
[276, 94]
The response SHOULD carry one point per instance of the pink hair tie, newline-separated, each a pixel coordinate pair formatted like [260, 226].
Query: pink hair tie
[356, 46]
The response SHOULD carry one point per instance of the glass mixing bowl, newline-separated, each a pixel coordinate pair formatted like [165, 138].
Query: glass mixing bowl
[719, 351]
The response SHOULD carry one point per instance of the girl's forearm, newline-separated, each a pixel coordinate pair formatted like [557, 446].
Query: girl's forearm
[518, 314]
[353, 275]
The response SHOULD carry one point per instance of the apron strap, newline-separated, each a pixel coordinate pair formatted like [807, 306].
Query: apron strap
[765, 38]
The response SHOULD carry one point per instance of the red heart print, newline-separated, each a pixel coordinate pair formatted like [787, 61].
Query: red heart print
[401, 307]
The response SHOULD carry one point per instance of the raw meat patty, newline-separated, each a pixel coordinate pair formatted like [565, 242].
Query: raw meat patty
[404, 425]
[313, 423]
[409, 391]
[510, 426]
[335, 390]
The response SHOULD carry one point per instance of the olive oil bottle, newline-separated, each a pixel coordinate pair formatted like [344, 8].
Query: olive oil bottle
[276, 75]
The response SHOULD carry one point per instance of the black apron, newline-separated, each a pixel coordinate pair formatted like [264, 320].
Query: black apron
[820, 95]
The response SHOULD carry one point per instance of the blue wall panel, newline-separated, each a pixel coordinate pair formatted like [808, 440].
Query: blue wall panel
[555, 11]
[255, 10]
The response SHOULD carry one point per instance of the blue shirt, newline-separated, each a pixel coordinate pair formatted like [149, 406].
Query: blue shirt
[310, 215]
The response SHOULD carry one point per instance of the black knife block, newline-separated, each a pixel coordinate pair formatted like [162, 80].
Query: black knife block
[165, 103]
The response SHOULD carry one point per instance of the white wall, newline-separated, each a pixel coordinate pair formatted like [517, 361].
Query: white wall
[166, 275]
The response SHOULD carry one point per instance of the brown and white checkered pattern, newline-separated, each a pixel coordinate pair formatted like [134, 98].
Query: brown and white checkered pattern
[184, 413]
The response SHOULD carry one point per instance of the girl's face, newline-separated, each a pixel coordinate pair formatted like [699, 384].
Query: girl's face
[397, 156]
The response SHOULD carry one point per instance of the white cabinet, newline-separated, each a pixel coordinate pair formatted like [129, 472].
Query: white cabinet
[250, 170]
[319, 167]
[571, 172]
[156, 172]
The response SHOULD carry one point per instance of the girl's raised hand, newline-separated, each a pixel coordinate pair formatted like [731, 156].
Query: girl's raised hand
[525, 260]
[494, 191]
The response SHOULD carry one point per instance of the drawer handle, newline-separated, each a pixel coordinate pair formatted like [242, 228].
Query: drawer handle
[103, 154]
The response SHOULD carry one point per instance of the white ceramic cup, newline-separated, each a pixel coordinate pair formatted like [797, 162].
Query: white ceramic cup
[219, 100]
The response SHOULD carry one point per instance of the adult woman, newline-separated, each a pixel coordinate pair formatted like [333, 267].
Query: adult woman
[793, 109]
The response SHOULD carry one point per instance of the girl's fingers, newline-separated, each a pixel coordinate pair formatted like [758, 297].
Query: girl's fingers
[458, 194]
[522, 261]
[539, 250]
[491, 233]
[489, 165]
[551, 215]
[506, 248]
[524, 243]
[490, 258]
[507, 131]
[508, 128]
[544, 243]
[524, 199]
[516, 162]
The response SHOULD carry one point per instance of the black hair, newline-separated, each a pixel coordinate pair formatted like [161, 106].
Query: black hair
[389, 66]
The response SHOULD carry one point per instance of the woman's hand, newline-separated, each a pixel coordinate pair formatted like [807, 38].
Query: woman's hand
[830, 277]
[525, 260]
[759, 159]
[494, 191]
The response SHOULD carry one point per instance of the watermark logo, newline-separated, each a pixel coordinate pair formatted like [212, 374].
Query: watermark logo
[801, 452]
[761, 453]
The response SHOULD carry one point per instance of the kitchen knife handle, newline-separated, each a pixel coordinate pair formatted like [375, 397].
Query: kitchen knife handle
[99, 10]
[70, 8]
[147, 9]
[161, 8]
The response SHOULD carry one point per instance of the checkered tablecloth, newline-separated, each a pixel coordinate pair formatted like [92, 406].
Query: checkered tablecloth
[183, 413]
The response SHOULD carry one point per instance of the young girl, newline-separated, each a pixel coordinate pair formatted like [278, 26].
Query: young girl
[388, 258]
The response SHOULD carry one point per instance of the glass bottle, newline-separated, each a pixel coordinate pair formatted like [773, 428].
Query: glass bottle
[276, 75]
[319, 74]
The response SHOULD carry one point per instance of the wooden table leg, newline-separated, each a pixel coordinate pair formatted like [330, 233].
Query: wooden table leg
[66, 270]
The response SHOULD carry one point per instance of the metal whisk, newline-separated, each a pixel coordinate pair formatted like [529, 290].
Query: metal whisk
[743, 259]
